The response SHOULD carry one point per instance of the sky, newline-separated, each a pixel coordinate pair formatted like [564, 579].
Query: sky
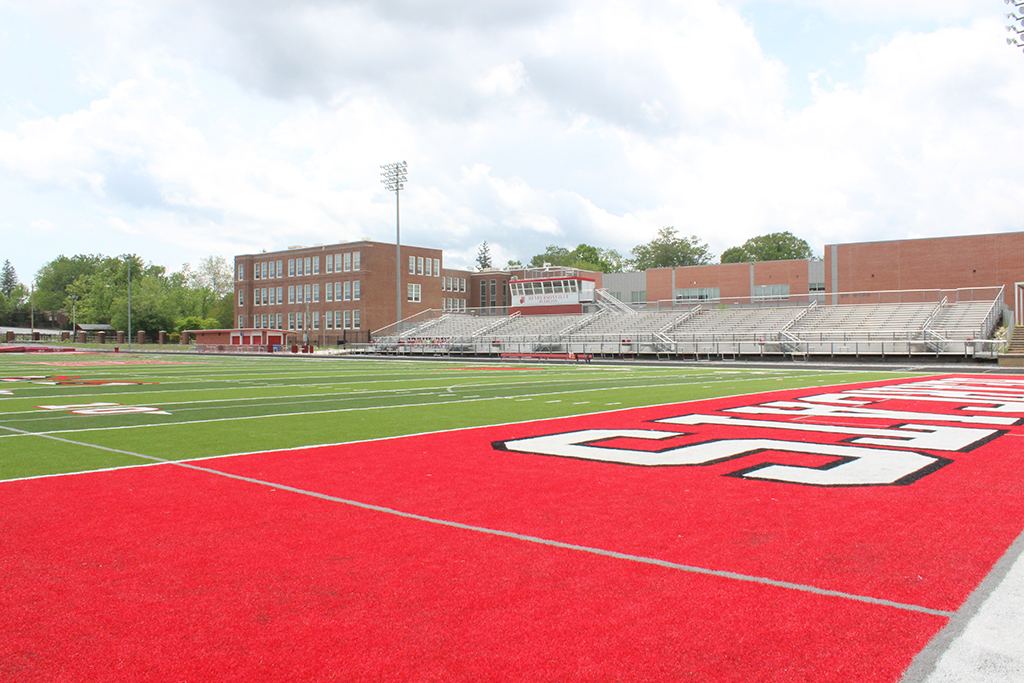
[180, 129]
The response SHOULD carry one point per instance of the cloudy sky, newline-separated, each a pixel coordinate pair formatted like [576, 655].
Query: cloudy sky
[178, 129]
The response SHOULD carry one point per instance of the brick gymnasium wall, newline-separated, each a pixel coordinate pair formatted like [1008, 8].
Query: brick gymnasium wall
[934, 263]
[732, 279]
[793, 273]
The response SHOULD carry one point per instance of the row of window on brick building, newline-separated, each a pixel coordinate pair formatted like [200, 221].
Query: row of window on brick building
[332, 320]
[300, 294]
[297, 267]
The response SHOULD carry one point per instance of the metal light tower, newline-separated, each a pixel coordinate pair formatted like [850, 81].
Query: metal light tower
[394, 176]
[1016, 26]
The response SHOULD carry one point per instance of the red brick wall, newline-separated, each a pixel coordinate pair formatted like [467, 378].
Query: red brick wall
[935, 263]
[659, 284]
[793, 273]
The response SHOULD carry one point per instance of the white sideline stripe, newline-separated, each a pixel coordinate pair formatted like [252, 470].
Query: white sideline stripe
[747, 578]
[345, 410]
[982, 643]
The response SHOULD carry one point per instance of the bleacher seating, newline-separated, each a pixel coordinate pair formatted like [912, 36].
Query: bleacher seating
[919, 327]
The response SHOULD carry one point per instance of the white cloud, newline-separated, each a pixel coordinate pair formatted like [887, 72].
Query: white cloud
[229, 128]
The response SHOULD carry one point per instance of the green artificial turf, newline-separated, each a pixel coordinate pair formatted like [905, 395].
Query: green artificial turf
[224, 405]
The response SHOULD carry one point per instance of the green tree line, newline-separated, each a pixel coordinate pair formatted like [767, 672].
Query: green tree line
[668, 249]
[93, 288]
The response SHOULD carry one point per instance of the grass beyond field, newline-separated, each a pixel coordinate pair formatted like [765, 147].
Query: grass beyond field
[75, 412]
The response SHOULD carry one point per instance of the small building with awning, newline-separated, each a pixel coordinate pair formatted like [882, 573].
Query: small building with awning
[252, 336]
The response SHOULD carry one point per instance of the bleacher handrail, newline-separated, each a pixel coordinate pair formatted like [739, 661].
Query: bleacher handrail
[799, 316]
[496, 325]
[681, 319]
[614, 302]
[995, 312]
[583, 322]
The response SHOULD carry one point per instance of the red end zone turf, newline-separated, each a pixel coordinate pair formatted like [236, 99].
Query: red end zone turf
[844, 527]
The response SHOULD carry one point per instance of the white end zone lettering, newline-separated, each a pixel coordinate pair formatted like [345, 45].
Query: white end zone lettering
[105, 409]
[815, 409]
[929, 437]
[853, 465]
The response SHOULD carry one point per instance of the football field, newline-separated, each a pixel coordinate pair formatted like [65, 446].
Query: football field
[264, 519]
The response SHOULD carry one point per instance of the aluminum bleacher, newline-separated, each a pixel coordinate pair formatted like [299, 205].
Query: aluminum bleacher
[953, 325]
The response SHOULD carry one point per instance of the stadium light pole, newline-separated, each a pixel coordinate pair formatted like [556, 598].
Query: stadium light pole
[1016, 26]
[394, 177]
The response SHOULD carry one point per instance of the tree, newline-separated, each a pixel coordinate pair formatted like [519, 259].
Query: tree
[483, 257]
[553, 255]
[54, 278]
[667, 250]
[16, 309]
[735, 255]
[224, 312]
[775, 246]
[152, 309]
[202, 288]
[583, 257]
[8, 279]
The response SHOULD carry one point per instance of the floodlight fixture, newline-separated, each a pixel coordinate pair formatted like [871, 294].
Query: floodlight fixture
[1016, 26]
[393, 177]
